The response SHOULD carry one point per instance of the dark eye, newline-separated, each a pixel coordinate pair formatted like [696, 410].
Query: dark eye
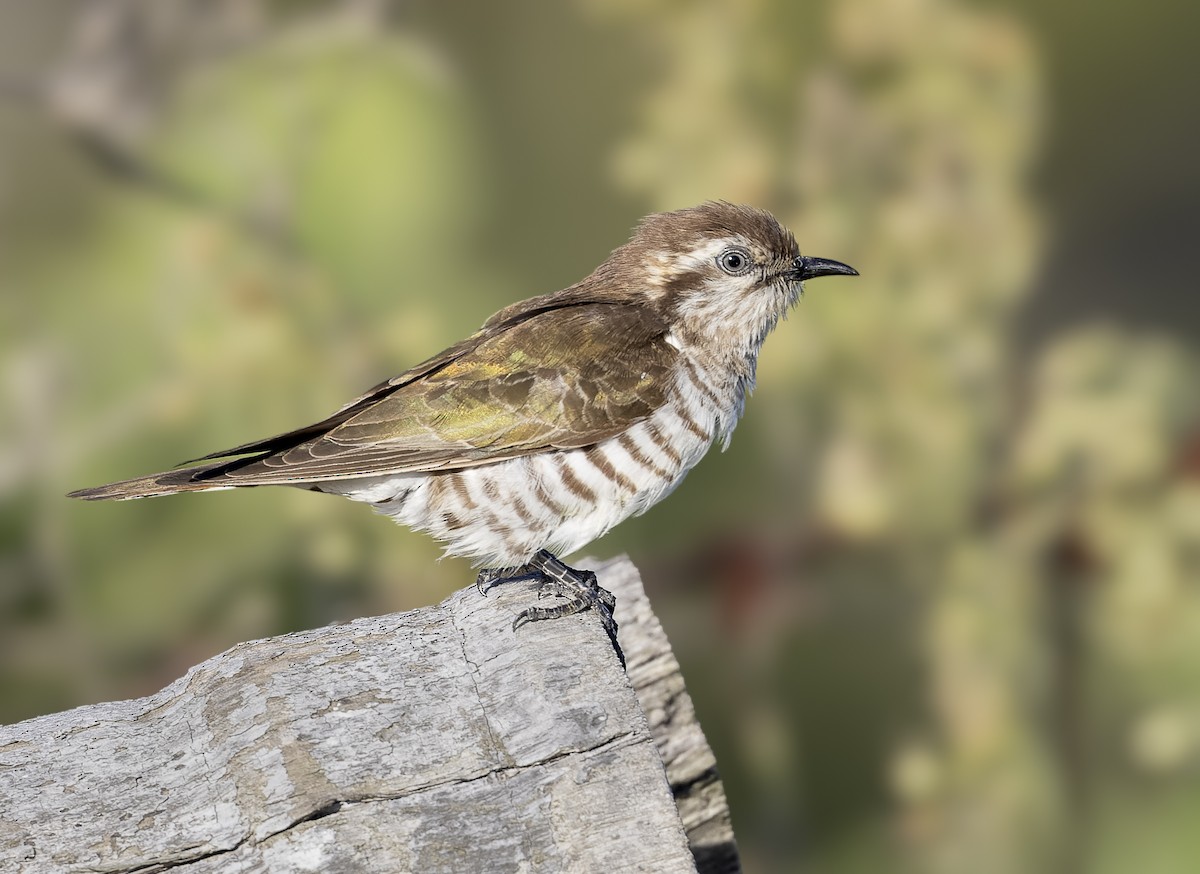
[734, 261]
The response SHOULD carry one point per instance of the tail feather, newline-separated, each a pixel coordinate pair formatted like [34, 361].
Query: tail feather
[201, 478]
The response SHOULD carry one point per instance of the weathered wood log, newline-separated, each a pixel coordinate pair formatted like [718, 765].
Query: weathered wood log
[435, 740]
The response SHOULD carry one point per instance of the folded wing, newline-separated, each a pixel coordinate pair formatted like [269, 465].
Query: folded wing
[562, 377]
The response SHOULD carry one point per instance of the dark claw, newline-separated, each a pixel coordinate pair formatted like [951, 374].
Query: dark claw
[484, 581]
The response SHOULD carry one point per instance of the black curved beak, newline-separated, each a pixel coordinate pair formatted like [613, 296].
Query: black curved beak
[808, 267]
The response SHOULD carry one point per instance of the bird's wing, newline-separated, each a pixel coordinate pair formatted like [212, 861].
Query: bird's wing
[560, 378]
[568, 378]
[637, 325]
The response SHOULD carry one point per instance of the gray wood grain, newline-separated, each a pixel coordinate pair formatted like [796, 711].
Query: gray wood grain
[435, 740]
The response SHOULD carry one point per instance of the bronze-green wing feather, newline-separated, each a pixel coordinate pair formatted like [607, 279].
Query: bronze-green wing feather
[553, 374]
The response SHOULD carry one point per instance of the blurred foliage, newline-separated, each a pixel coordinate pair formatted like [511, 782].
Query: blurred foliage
[938, 605]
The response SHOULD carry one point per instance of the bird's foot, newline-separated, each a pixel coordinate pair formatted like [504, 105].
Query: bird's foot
[580, 588]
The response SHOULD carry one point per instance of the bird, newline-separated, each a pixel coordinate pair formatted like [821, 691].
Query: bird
[562, 416]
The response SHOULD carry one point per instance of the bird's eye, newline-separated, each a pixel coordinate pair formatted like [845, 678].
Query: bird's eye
[734, 261]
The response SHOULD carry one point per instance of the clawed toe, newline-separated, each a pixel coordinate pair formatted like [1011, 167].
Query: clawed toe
[489, 577]
[485, 580]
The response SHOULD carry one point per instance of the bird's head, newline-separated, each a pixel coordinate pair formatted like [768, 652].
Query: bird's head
[721, 274]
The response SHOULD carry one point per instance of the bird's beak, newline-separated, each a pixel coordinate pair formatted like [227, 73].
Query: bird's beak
[808, 267]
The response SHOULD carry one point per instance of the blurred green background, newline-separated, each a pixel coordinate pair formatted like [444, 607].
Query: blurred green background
[938, 606]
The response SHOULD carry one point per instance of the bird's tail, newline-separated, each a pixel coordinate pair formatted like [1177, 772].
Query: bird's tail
[201, 478]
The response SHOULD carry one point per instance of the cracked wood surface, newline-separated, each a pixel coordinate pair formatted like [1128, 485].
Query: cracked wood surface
[435, 740]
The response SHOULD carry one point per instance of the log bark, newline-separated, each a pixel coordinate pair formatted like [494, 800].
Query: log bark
[435, 740]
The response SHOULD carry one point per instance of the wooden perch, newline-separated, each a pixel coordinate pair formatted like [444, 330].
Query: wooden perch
[436, 740]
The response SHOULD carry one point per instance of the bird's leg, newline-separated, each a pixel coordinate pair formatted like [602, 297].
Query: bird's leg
[580, 588]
